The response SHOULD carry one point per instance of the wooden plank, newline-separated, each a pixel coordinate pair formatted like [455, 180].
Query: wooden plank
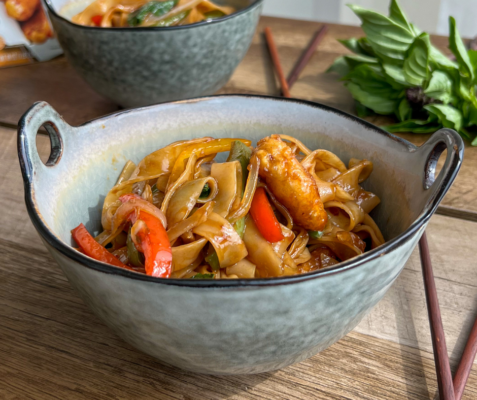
[52, 347]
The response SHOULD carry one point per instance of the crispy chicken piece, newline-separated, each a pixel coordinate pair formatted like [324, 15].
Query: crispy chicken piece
[37, 29]
[291, 184]
[21, 10]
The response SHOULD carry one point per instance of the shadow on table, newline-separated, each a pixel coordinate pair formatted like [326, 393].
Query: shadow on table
[414, 374]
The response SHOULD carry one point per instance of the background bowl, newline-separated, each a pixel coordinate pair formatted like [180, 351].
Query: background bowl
[228, 326]
[141, 66]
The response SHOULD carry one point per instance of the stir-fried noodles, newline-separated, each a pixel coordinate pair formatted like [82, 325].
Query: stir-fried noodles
[274, 210]
[144, 13]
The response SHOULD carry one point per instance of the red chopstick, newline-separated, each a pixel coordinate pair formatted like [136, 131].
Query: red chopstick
[441, 357]
[305, 58]
[276, 62]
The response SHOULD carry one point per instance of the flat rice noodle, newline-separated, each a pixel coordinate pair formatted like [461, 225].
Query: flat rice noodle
[207, 6]
[303, 257]
[244, 269]
[243, 207]
[281, 246]
[351, 216]
[344, 249]
[328, 175]
[261, 252]
[187, 175]
[370, 222]
[289, 265]
[203, 166]
[201, 150]
[368, 232]
[366, 200]
[147, 193]
[366, 170]
[323, 160]
[305, 150]
[183, 256]
[229, 181]
[280, 207]
[188, 224]
[188, 271]
[326, 189]
[126, 173]
[320, 257]
[227, 243]
[187, 196]
[111, 202]
[299, 244]
[101, 7]
[350, 180]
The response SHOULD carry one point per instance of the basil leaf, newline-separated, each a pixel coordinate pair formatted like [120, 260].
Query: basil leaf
[156, 8]
[469, 112]
[458, 49]
[203, 276]
[473, 60]
[416, 65]
[389, 39]
[339, 66]
[395, 73]
[242, 153]
[213, 260]
[396, 14]
[353, 45]
[173, 19]
[363, 111]
[354, 60]
[447, 115]
[205, 192]
[214, 14]
[365, 47]
[414, 126]
[440, 87]
[368, 86]
[315, 234]
[239, 227]
[404, 111]
[440, 61]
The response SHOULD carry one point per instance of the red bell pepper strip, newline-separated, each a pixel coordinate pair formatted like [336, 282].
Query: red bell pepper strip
[264, 218]
[92, 248]
[97, 19]
[154, 244]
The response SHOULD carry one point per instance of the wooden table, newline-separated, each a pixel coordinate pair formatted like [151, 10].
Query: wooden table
[53, 347]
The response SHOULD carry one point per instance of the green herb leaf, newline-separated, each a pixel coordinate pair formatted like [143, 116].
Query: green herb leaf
[395, 73]
[363, 111]
[339, 66]
[440, 61]
[154, 189]
[447, 115]
[241, 153]
[354, 60]
[473, 60]
[315, 234]
[173, 19]
[458, 49]
[396, 14]
[213, 260]
[205, 192]
[214, 14]
[354, 45]
[389, 39]
[416, 65]
[135, 257]
[156, 8]
[404, 110]
[239, 227]
[203, 276]
[440, 87]
[414, 126]
[369, 86]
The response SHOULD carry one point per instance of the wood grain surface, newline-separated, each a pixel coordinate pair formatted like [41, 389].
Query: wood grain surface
[52, 346]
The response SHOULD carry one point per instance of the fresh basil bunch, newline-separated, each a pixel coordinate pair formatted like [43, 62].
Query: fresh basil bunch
[395, 70]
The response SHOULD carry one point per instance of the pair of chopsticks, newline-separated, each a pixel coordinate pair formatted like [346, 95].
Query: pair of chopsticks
[448, 389]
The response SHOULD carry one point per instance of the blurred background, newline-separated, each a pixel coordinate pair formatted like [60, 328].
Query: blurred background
[430, 15]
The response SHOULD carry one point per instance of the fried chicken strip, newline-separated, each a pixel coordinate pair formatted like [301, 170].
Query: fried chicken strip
[291, 184]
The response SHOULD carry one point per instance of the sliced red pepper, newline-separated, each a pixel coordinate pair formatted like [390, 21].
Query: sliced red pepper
[264, 217]
[92, 248]
[154, 244]
[97, 19]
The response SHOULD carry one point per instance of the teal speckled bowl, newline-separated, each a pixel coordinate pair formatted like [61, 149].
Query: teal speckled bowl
[229, 326]
[141, 66]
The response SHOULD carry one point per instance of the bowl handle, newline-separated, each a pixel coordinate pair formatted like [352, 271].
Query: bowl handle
[38, 115]
[430, 152]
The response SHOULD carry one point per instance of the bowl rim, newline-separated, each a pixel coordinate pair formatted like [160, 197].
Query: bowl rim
[245, 10]
[344, 266]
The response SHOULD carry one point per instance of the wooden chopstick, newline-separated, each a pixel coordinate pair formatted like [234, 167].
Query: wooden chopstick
[441, 357]
[276, 62]
[305, 58]
[466, 362]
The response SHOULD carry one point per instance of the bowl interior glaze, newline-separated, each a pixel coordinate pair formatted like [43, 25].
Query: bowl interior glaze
[73, 190]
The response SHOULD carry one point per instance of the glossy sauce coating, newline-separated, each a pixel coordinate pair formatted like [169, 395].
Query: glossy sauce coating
[291, 184]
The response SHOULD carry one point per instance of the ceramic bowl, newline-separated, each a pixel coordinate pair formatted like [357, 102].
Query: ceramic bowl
[228, 326]
[141, 66]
